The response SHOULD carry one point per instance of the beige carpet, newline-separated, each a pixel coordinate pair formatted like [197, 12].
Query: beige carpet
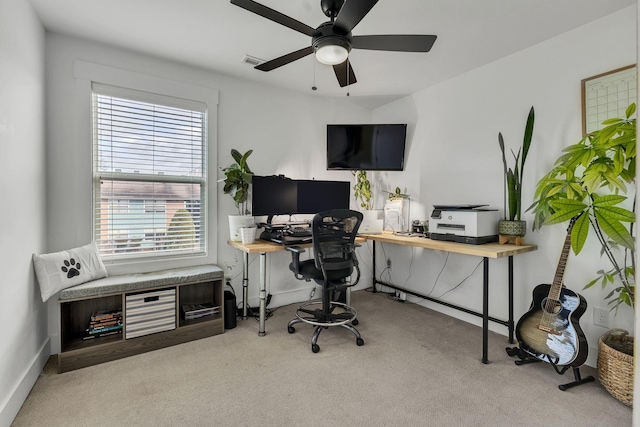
[417, 368]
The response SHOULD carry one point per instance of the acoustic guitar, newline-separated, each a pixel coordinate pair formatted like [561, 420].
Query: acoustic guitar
[550, 331]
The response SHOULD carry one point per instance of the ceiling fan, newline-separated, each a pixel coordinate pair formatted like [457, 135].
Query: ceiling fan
[332, 41]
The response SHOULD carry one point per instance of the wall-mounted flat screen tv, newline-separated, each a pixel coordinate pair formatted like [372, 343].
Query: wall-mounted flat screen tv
[366, 147]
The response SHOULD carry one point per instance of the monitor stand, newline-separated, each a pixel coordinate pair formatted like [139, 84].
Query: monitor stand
[278, 232]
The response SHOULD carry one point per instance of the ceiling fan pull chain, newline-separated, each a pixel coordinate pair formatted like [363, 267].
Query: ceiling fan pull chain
[314, 75]
[347, 68]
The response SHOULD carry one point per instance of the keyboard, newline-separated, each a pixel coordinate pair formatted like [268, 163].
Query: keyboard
[299, 232]
[284, 238]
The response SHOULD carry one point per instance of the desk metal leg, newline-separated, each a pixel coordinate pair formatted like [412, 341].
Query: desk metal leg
[510, 325]
[245, 284]
[263, 292]
[374, 266]
[485, 311]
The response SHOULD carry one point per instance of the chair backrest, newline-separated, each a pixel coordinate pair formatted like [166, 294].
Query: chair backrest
[334, 233]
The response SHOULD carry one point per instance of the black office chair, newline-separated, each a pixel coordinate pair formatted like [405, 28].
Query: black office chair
[334, 261]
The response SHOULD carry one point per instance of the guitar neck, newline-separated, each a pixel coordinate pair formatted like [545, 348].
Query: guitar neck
[556, 288]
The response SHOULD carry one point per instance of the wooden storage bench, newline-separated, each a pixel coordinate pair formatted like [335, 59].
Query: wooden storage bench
[162, 309]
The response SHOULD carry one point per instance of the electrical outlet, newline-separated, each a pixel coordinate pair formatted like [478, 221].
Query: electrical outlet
[600, 317]
[401, 296]
[389, 263]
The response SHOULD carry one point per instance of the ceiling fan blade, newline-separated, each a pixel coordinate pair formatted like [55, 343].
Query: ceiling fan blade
[397, 43]
[275, 16]
[341, 71]
[352, 13]
[284, 60]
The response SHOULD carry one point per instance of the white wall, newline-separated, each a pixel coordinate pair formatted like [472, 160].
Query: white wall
[23, 316]
[455, 158]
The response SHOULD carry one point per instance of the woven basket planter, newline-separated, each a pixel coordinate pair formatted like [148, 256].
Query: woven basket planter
[615, 364]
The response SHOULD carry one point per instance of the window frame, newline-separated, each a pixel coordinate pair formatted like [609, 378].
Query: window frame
[85, 73]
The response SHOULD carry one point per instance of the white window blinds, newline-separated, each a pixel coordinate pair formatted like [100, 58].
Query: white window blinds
[150, 177]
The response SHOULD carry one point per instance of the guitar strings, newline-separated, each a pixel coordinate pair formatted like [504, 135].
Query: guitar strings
[550, 304]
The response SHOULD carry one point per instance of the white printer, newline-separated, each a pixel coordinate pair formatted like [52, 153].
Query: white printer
[474, 224]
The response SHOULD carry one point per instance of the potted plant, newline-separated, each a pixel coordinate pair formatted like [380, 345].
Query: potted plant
[236, 183]
[512, 224]
[362, 190]
[590, 179]
[397, 194]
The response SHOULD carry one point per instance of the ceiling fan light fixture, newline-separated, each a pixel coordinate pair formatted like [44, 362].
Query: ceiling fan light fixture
[332, 51]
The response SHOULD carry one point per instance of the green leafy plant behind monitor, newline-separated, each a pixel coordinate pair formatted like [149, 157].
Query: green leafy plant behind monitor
[590, 179]
[237, 180]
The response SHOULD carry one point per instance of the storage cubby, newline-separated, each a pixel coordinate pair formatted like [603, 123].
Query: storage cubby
[75, 317]
[195, 286]
[200, 294]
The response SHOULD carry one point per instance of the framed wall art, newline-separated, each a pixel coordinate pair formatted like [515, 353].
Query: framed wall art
[607, 95]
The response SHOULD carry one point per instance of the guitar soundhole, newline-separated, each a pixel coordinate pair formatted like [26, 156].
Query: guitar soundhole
[551, 306]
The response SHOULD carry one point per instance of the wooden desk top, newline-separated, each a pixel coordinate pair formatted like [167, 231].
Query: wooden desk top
[489, 250]
[261, 246]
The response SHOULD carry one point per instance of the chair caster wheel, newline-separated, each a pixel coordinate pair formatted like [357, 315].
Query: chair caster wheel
[355, 322]
[291, 329]
[359, 341]
[315, 348]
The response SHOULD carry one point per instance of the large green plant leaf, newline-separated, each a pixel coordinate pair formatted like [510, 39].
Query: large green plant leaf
[564, 210]
[526, 143]
[579, 233]
[631, 109]
[608, 200]
[613, 228]
[512, 191]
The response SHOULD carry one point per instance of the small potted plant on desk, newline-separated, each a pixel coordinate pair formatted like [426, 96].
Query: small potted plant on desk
[236, 183]
[589, 180]
[363, 194]
[512, 228]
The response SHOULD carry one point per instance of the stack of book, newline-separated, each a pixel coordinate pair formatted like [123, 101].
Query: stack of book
[104, 323]
[196, 311]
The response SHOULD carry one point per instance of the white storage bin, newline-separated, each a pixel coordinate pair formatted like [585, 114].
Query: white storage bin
[150, 312]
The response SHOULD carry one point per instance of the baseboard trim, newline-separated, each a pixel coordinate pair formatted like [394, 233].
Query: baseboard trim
[11, 406]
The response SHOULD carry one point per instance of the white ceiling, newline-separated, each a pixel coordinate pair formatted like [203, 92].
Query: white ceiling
[216, 35]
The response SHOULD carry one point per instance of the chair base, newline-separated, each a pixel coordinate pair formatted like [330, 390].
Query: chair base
[323, 319]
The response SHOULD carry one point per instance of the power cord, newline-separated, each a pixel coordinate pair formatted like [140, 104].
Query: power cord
[255, 311]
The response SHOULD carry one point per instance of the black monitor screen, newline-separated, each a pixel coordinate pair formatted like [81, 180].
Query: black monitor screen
[278, 195]
[319, 196]
[273, 195]
[366, 147]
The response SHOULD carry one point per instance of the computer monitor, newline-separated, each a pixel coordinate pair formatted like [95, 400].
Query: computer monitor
[279, 195]
[318, 196]
[273, 195]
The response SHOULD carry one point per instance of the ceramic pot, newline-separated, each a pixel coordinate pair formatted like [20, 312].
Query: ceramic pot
[248, 235]
[512, 228]
[236, 222]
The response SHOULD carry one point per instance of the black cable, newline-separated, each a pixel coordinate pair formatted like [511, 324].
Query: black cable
[463, 280]
[446, 260]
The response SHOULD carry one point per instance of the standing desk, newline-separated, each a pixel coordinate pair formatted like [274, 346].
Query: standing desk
[261, 247]
[486, 251]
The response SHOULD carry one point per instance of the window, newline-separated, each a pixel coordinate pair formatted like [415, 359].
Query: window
[149, 172]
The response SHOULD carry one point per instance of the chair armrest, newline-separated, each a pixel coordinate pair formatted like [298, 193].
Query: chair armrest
[295, 258]
[296, 249]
